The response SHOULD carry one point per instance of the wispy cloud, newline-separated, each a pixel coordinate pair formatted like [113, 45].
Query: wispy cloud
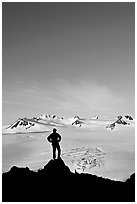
[19, 82]
[64, 97]
[11, 102]
[86, 96]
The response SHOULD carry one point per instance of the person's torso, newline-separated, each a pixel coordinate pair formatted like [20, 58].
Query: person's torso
[55, 138]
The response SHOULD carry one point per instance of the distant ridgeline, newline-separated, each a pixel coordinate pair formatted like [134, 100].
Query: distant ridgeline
[56, 183]
[47, 122]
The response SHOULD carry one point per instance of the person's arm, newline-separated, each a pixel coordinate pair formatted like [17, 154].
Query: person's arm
[49, 138]
[59, 138]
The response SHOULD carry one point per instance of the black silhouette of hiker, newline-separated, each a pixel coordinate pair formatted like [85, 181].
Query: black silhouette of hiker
[55, 138]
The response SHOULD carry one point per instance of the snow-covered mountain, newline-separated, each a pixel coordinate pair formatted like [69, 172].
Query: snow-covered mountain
[46, 122]
[24, 125]
[120, 120]
[48, 117]
[59, 121]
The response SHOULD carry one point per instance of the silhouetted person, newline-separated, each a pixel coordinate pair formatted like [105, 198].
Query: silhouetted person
[55, 138]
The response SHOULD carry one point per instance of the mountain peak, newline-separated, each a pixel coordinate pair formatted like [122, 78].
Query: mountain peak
[46, 122]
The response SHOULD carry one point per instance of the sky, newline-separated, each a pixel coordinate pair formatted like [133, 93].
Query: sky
[67, 58]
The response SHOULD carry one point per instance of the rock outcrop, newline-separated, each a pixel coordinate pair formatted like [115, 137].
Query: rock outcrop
[128, 117]
[56, 183]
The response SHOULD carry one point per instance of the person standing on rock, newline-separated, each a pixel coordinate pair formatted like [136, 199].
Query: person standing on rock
[55, 138]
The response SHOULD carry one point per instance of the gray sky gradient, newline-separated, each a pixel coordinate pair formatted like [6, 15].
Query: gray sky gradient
[68, 58]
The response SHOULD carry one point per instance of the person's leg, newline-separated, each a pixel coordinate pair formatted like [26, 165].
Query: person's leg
[59, 150]
[54, 151]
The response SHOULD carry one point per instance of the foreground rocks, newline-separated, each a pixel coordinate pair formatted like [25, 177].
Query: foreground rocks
[56, 183]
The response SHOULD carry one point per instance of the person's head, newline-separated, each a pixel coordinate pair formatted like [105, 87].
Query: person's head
[54, 130]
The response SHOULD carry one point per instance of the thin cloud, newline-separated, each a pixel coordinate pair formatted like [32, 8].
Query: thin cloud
[19, 82]
[11, 102]
[87, 96]
[66, 98]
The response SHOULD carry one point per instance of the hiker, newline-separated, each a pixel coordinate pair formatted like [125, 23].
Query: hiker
[55, 138]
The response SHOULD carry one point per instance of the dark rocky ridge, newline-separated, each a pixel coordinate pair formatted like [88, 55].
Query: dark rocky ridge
[56, 183]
